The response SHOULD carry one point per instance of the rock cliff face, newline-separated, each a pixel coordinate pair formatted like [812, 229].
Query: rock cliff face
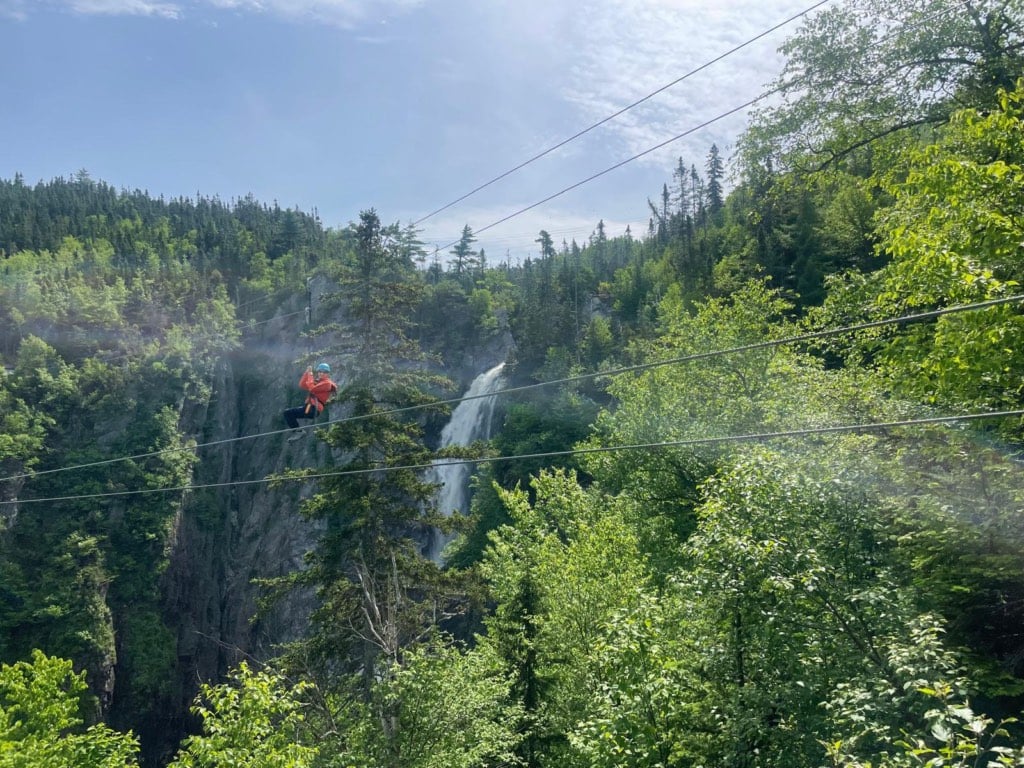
[228, 537]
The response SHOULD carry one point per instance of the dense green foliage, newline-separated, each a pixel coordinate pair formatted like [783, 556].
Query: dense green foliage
[255, 719]
[41, 724]
[116, 310]
[846, 598]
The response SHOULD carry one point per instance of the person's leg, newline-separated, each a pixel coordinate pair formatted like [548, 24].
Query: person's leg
[292, 415]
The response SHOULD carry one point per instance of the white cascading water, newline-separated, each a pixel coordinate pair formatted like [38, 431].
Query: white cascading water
[471, 421]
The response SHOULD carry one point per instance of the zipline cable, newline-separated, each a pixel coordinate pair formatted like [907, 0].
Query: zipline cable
[599, 174]
[692, 442]
[628, 107]
[760, 345]
[244, 324]
[798, 338]
[715, 119]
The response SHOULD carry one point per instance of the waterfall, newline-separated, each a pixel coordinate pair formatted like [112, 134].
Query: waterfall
[471, 421]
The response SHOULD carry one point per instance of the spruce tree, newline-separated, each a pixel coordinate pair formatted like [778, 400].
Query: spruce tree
[464, 258]
[377, 593]
[715, 169]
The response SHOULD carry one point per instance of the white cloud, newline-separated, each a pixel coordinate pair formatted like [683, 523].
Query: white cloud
[13, 9]
[603, 60]
[342, 13]
[126, 8]
[631, 48]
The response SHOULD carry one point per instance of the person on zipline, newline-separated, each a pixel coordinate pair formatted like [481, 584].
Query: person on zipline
[320, 387]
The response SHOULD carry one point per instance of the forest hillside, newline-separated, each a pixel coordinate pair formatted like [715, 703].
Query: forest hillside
[753, 496]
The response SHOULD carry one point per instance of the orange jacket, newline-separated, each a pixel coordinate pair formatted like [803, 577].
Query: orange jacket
[319, 391]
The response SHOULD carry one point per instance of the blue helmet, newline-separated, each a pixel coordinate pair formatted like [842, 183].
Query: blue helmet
[323, 368]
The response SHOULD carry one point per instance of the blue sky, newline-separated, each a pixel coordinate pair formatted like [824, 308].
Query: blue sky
[399, 105]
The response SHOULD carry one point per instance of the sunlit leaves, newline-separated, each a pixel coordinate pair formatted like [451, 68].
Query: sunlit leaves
[861, 72]
[954, 233]
[41, 725]
[443, 707]
[650, 701]
[255, 719]
[560, 573]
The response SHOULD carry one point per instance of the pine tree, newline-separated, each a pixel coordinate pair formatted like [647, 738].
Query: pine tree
[715, 170]
[376, 589]
[696, 195]
[464, 258]
[547, 246]
[681, 177]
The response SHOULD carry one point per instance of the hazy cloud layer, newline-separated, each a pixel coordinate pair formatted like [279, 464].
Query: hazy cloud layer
[403, 105]
[344, 13]
[126, 8]
[634, 47]
[13, 9]
[22, 9]
[620, 50]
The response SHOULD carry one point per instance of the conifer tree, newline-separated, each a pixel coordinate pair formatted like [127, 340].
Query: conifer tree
[715, 169]
[464, 258]
[376, 589]
[680, 178]
[547, 246]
